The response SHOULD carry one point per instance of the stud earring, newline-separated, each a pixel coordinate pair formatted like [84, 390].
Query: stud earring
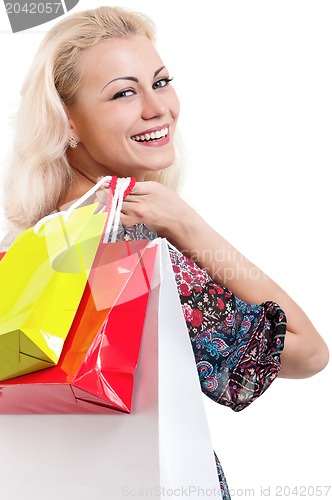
[72, 142]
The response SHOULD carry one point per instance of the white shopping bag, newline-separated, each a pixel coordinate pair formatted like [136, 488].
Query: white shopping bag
[161, 450]
[187, 462]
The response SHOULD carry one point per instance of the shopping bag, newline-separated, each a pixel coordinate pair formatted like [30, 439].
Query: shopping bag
[107, 371]
[162, 448]
[43, 276]
[187, 463]
[38, 296]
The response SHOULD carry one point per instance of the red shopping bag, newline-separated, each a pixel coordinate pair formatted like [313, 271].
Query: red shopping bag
[95, 372]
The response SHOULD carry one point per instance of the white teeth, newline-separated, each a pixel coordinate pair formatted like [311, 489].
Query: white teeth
[158, 134]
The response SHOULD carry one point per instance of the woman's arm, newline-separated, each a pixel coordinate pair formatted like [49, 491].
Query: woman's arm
[305, 351]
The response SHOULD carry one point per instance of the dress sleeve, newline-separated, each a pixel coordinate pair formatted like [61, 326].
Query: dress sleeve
[237, 345]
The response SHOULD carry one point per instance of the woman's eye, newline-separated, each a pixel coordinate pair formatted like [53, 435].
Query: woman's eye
[123, 93]
[162, 82]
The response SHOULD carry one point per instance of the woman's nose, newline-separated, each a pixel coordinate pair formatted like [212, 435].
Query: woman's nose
[153, 105]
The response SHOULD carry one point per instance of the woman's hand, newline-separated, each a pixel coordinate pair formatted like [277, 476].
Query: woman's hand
[159, 208]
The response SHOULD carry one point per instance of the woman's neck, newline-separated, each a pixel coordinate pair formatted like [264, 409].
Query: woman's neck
[80, 185]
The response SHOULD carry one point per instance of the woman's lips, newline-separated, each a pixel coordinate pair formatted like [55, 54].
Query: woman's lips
[158, 136]
[155, 142]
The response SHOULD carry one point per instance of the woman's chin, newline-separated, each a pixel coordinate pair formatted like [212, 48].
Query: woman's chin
[160, 163]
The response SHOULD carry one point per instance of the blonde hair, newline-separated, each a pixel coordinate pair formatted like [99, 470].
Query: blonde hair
[39, 172]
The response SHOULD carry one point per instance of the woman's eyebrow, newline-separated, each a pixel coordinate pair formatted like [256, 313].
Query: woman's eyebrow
[158, 71]
[131, 78]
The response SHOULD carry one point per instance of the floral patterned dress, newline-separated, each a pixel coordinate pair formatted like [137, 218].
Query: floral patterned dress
[237, 345]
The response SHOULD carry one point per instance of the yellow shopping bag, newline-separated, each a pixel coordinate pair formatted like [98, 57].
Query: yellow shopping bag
[42, 279]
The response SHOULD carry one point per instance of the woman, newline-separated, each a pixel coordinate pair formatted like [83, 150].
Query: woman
[103, 104]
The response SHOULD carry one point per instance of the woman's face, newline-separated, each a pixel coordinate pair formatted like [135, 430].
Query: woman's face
[126, 109]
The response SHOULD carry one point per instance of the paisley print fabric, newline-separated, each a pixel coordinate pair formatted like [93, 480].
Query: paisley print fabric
[237, 345]
[224, 491]
[136, 232]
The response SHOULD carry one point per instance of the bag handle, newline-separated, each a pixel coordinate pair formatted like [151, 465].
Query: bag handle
[121, 186]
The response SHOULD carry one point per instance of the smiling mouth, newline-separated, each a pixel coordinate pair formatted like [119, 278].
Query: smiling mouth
[152, 136]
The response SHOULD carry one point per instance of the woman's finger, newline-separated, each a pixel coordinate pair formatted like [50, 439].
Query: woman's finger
[128, 206]
[145, 187]
[128, 220]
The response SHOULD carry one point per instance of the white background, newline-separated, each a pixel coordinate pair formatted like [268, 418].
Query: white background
[255, 82]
